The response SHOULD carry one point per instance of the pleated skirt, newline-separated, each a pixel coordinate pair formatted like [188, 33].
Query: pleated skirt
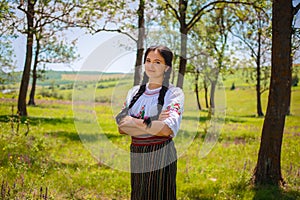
[153, 171]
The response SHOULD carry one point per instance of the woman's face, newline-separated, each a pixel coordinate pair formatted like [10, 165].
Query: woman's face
[155, 65]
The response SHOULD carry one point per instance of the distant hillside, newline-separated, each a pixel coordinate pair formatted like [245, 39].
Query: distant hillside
[65, 77]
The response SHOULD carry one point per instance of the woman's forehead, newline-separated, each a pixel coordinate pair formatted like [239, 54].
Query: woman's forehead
[155, 55]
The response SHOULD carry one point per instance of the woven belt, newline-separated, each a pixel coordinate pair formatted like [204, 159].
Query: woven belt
[149, 140]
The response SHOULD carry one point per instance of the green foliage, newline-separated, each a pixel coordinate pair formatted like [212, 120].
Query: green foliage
[295, 80]
[7, 66]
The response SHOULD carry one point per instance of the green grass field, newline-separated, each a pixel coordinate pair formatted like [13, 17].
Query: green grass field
[44, 155]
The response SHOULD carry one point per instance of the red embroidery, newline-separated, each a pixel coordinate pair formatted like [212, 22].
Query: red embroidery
[175, 107]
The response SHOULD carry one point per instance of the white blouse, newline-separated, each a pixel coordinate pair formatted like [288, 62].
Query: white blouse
[146, 105]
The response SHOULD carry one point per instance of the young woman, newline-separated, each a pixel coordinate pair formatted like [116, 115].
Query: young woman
[151, 116]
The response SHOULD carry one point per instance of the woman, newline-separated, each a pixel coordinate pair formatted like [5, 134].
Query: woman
[152, 116]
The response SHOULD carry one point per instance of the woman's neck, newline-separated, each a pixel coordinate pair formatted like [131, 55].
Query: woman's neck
[154, 85]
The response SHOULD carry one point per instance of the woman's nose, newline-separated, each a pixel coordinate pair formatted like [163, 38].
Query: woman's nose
[151, 64]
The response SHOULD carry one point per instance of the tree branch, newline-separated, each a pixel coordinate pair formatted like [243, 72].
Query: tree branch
[22, 9]
[174, 11]
[245, 42]
[296, 9]
[116, 30]
[197, 16]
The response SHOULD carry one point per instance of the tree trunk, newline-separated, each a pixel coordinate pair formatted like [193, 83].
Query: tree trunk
[182, 60]
[268, 168]
[196, 89]
[22, 110]
[140, 44]
[183, 42]
[213, 85]
[258, 93]
[173, 70]
[34, 74]
[206, 94]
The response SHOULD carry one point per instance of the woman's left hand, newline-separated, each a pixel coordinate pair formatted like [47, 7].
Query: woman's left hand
[164, 115]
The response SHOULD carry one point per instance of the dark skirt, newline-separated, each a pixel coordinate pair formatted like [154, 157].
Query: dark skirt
[153, 171]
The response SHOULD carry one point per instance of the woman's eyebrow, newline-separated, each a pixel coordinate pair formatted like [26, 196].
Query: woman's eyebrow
[156, 59]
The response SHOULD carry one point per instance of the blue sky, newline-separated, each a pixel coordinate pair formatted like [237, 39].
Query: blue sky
[86, 44]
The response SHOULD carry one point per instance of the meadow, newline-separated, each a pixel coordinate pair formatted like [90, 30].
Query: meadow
[44, 156]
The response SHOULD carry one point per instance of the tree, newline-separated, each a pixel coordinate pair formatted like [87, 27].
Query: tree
[59, 11]
[48, 47]
[124, 24]
[188, 13]
[140, 43]
[268, 168]
[29, 12]
[219, 26]
[253, 30]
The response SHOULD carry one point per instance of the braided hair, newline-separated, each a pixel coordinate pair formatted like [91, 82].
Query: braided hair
[166, 53]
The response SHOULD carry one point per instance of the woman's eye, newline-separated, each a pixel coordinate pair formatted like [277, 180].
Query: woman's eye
[157, 62]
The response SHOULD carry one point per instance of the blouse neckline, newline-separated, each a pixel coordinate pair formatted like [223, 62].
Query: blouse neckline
[151, 91]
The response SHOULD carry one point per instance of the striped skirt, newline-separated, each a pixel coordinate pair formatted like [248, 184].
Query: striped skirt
[153, 170]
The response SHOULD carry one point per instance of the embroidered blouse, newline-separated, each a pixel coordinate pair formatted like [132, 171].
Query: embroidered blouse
[146, 105]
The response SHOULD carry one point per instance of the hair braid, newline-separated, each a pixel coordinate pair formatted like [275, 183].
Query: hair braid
[141, 90]
[162, 93]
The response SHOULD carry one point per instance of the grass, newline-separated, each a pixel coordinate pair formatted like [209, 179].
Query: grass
[52, 156]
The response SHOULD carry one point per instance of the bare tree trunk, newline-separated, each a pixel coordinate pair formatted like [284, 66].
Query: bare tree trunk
[34, 74]
[140, 44]
[213, 85]
[196, 89]
[182, 61]
[258, 93]
[183, 43]
[22, 110]
[173, 70]
[268, 168]
[206, 94]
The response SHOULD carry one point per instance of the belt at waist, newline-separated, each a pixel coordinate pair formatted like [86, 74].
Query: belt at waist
[149, 140]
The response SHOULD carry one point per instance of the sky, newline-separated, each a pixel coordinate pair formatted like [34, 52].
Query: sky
[87, 44]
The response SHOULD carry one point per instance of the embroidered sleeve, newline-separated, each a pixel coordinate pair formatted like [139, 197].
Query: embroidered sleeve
[174, 103]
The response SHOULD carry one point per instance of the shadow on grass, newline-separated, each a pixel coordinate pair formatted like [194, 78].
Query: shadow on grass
[51, 121]
[269, 193]
[5, 118]
[74, 136]
[251, 116]
[66, 134]
[37, 120]
[234, 120]
[207, 118]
